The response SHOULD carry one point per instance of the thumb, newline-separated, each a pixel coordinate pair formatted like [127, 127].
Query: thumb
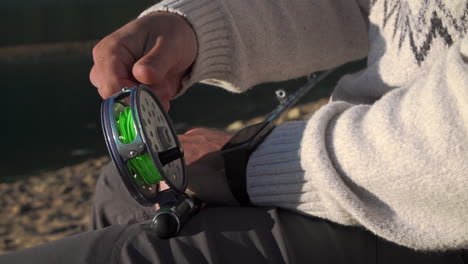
[153, 67]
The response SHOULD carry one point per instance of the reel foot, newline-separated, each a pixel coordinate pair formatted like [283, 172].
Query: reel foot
[169, 219]
[166, 224]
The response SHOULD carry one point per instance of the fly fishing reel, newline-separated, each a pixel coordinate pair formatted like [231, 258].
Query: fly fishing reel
[145, 149]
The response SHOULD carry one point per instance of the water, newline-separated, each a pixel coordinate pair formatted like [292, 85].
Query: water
[47, 21]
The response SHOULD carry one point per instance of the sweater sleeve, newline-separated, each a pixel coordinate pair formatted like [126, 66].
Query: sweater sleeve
[243, 43]
[397, 167]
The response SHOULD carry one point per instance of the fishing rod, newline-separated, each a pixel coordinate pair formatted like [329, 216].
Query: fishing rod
[287, 102]
[144, 146]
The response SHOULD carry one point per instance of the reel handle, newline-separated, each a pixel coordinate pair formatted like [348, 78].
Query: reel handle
[170, 217]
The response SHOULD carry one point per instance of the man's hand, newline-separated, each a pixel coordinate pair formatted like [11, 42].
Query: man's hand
[156, 50]
[205, 165]
[198, 142]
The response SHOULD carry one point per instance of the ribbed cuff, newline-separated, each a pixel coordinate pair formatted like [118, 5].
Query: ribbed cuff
[213, 36]
[274, 173]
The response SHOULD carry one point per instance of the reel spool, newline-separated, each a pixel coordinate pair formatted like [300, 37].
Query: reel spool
[144, 146]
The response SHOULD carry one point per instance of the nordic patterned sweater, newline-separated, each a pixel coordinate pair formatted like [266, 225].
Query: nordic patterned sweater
[390, 151]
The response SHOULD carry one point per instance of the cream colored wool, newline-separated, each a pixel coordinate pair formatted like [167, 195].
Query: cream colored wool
[390, 152]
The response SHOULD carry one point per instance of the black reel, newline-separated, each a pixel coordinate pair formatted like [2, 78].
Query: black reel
[154, 136]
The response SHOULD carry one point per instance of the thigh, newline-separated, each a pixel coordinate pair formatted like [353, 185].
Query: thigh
[215, 235]
[310, 238]
[113, 204]
[262, 235]
[230, 235]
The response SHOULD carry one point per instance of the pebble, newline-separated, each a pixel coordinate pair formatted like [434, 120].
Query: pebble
[237, 125]
[55, 204]
[294, 113]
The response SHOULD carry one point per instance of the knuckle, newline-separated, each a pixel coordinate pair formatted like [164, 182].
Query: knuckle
[92, 76]
[97, 50]
[108, 45]
[104, 93]
[113, 46]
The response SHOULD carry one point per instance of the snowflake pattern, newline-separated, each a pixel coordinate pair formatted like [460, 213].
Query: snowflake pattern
[423, 24]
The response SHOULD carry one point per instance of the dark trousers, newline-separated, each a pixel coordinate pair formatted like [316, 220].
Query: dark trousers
[122, 234]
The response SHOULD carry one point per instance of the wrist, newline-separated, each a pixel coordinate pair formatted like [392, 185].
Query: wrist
[274, 172]
[236, 155]
[214, 61]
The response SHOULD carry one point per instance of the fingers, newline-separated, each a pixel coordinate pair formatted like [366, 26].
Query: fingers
[153, 67]
[115, 66]
[156, 50]
[110, 80]
[156, 69]
[199, 142]
[162, 186]
[110, 72]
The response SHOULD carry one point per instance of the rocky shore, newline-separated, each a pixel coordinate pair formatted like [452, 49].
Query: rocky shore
[52, 205]
[48, 206]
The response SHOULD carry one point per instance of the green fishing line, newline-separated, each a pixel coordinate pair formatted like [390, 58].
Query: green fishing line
[142, 165]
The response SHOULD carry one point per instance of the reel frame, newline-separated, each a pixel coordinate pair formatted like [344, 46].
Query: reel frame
[163, 145]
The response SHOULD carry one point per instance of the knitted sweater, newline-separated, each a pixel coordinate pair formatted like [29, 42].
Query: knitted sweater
[390, 151]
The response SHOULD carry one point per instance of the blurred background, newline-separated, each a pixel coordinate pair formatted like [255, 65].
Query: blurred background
[51, 111]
